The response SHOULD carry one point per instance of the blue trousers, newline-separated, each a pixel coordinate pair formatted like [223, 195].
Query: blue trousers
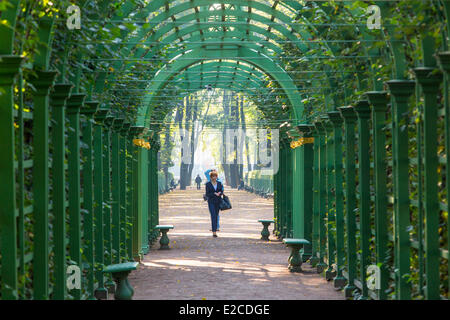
[214, 212]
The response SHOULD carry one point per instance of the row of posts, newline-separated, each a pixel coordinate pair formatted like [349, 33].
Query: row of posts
[97, 177]
[326, 204]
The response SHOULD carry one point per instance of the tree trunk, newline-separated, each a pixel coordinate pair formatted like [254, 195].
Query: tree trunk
[234, 167]
[226, 113]
[179, 118]
[193, 139]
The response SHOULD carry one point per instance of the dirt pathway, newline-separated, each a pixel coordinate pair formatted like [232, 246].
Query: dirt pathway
[236, 265]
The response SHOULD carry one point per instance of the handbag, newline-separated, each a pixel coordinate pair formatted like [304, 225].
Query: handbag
[225, 203]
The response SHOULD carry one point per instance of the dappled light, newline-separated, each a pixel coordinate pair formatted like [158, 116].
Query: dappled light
[297, 149]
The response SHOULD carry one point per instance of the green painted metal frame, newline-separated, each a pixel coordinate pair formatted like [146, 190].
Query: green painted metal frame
[429, 250]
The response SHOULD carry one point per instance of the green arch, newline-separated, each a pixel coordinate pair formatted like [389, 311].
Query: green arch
[261, 62]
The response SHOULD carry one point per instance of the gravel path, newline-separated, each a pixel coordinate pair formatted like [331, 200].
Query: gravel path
[236, 265]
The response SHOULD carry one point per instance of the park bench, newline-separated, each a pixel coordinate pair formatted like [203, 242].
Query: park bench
[164, 241]
[265, 231]
[120, 272]
[295, 261]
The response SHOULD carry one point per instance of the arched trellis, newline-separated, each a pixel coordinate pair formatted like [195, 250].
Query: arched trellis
[398, 88]
[263, 63]
[180, 8]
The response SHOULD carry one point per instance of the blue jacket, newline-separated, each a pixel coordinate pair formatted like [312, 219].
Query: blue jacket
[212, 198]
[207, 175]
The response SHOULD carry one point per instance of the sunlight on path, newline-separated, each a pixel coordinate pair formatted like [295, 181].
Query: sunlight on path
[236, 265]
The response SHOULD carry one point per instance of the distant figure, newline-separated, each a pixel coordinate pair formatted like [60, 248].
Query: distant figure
[172, 184]
[241, 185]
[198, 180]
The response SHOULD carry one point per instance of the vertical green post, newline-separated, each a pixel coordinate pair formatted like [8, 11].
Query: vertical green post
[430, 80]
[444, 61]
[151, 187]
[99, 117]
[130, 185]
[316, 199]
[9, 68]
[282, 194]
[115, 188]
[143, 198]
[21, 179]
[296, 173]
[156, 146]
[322, 195]
[401, 90]
[286, 176]
[107, 194]
[289, 188]
[420, 211]
[74, 104]
[305, 194]
[88, 193]
[107, 199]
[276, 198]
[123, 189]
[363, 111]
[137, 196]
[336, 120]
[58, 102]
[379, 100]
[42, 83]
[330, 273]
[349, 115]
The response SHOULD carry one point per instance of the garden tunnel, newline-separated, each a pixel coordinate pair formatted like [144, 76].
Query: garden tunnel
[363, 115]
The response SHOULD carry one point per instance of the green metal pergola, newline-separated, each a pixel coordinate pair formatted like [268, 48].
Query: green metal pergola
[363, 166]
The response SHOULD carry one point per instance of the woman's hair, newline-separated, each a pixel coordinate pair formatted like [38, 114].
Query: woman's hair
[213, 173]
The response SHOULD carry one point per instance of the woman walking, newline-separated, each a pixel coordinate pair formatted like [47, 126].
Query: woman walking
[214, 190]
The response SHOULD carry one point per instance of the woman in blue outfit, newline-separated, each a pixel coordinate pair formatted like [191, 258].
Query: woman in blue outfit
[207, 172]
[214, 191]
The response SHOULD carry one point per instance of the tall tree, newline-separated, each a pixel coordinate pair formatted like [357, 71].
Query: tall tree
[226, 114]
